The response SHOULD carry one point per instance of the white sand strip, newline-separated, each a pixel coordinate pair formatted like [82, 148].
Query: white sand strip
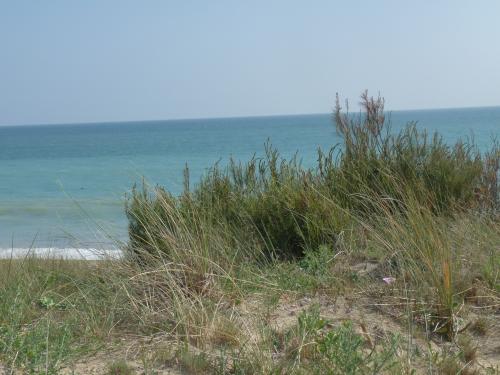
[67, 253]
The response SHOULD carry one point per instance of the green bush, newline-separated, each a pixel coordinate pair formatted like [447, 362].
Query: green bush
[283, 208]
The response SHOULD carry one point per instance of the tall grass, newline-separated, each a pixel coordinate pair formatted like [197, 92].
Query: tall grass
[281, 206]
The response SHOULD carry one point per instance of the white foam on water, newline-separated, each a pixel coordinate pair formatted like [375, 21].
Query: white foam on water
[61, 253]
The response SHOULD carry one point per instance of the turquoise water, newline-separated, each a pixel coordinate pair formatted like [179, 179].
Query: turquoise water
[64, 185]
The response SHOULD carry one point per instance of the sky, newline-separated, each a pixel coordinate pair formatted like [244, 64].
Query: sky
[119, 60]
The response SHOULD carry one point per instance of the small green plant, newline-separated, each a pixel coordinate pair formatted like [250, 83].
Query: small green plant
[316, 346]
[48, 302]
[343, 348]
[318, 262]
[120, 367]
[309, 326]
[344, 351]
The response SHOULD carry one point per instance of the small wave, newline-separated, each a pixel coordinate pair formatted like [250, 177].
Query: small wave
[61, 253]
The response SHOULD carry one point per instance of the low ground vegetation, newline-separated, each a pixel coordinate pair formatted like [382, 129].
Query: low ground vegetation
[384, 258]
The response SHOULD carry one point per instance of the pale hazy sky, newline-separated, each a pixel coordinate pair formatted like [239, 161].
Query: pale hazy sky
[110, 60]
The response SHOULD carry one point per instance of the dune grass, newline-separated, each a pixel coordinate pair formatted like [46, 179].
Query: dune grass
[288, 209]
[209, 279]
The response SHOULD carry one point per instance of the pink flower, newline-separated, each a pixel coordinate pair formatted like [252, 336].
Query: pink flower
[388, 280]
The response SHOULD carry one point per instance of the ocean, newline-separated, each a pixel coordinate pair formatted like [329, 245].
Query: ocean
[64, 186]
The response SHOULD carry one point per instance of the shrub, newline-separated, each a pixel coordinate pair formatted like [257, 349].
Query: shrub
[282, 208]
[442, 177]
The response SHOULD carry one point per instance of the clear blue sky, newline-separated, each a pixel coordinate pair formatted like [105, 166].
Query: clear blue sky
[111, 60]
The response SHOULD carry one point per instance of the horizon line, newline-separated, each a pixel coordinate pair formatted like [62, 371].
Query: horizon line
[232, 117]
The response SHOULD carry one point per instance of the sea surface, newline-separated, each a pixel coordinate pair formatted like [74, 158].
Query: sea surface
[64, 186]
